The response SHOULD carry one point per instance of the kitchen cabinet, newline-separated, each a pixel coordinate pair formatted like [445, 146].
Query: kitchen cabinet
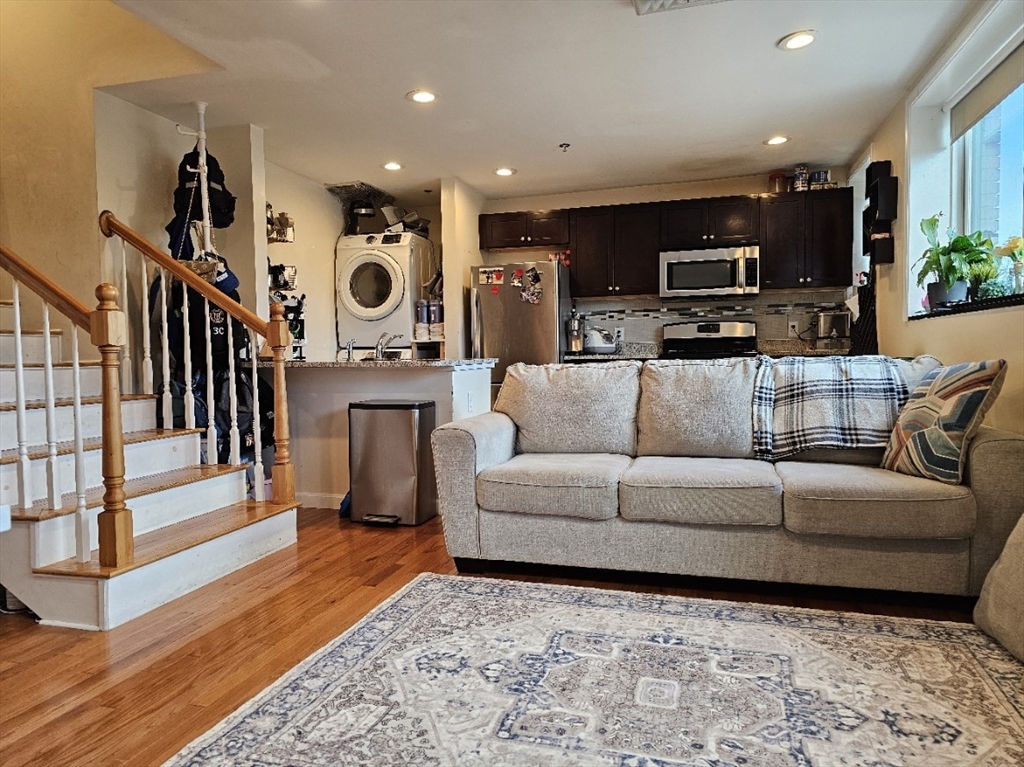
[709, 222]
[806, 239]
[614, 250]
[524, 229]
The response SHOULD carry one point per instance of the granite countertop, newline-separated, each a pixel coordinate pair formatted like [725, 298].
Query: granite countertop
[466, 364]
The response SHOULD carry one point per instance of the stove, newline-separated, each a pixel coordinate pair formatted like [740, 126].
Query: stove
[709, 340]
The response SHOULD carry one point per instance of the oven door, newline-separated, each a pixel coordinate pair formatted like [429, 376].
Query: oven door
[701, 273]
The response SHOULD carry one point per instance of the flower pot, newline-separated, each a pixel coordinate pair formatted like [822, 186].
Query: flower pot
[938, 295]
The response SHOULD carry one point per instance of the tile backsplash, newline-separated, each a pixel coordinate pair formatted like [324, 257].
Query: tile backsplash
[642, 318]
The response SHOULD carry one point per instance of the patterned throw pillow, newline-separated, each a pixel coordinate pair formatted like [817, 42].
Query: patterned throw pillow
[934, 427]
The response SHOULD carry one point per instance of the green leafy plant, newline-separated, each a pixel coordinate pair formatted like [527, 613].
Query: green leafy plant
[982, 272]
[992, 289]
[951, 262]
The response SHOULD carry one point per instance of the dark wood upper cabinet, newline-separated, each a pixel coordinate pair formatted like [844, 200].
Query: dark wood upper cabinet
[636, 257]
[524, 229]
[807, 239]
[592, 241]
[614, 250]
[708, 223]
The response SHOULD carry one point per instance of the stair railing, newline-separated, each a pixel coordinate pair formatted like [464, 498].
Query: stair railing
[51, 295]
[275, 333]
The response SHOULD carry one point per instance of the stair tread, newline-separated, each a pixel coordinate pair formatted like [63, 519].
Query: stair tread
[173, 539]
[95, 443]
[34, 404]
[133, 488]
[82, 363]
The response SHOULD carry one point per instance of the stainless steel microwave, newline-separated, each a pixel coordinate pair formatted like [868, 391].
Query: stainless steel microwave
[716, 272]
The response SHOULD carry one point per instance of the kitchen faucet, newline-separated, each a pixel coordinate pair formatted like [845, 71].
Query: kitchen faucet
[382, 344]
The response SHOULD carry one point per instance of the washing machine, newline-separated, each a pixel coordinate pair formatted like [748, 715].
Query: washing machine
[379, 280]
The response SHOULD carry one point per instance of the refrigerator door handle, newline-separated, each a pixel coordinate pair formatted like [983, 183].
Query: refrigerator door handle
[476, 324]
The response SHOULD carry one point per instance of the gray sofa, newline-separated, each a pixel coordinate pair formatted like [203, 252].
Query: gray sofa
[651, 468]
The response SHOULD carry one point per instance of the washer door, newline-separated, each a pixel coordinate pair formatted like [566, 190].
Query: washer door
[371, 285]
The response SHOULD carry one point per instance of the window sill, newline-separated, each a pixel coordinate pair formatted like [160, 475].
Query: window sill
[1017, 299]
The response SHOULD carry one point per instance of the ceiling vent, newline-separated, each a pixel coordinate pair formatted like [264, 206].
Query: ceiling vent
[644, 7]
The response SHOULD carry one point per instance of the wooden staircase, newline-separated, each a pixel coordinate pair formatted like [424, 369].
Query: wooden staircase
[132, 518]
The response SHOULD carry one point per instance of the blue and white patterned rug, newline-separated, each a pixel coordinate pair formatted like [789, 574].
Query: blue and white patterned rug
[488, 673]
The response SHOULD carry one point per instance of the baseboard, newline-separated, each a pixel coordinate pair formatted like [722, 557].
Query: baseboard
[319, 500]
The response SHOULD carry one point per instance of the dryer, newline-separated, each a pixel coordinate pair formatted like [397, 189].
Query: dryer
[379, 279]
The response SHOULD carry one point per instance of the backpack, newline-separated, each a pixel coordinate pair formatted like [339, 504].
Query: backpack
[188, 198]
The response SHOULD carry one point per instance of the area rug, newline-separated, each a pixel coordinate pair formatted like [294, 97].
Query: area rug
[485, 673]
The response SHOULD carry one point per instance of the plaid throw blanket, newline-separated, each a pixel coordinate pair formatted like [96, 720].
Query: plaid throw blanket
[833, 402]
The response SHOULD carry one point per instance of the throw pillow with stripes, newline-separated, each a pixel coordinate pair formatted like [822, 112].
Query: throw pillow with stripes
[937, 422]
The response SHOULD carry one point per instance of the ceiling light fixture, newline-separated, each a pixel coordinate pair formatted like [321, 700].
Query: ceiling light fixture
[420, 97]
[775, 140]
[796, 40]
[505, 171]
[392, 166]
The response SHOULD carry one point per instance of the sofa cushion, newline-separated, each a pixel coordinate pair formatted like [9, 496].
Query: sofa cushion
[1000, 609]
[576, 485]
[935, 426]
[870, 502]
[572, 408]
[701, 491]
[697, 408]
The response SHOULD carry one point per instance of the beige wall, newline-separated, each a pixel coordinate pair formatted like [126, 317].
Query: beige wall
[319, 220]
[52, 55]
[996, 333]
[461, 206]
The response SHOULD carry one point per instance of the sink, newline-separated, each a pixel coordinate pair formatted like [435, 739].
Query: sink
[388, 355]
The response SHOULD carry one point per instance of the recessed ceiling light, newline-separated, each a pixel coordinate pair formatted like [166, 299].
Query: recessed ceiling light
[392, 166]
[505, 171]
[420, 97]
[796, 40]
[775, 140]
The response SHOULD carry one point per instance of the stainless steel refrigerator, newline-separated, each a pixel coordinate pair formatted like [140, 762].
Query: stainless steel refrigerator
[518, 313]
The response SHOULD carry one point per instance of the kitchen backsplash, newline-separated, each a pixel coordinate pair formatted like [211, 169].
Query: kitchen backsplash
[642, 318]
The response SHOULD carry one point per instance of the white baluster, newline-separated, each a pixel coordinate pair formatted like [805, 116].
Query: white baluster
[257, 474]
[83, 542]
[189, 400]
[147, 358]
[53, 500]
[168, 411]
[236, 453]
[127, 379]
[24, 467]
[211, 424]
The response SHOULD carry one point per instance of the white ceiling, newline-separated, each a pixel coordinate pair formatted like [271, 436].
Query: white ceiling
[683, 95]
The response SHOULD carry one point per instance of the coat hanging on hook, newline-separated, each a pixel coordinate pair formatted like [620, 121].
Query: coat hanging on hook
[222, 202]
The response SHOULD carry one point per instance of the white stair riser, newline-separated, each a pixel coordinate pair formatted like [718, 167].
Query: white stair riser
[32, 348]
[141, 459]
[138, 591]
[54, 539]
[63, 383]
[136, 415]
[73, 602]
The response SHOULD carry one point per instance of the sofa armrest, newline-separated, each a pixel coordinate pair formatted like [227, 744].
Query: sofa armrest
[995, 473]
[462, 449]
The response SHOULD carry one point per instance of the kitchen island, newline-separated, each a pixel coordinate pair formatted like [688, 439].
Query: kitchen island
[319, 394]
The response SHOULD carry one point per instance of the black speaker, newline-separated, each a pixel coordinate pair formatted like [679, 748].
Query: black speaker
[882, 198]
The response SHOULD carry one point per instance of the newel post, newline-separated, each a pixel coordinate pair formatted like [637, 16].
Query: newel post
[283, 472]
[108, 331]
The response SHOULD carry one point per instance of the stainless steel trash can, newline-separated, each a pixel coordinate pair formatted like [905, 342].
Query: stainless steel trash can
[391, 467]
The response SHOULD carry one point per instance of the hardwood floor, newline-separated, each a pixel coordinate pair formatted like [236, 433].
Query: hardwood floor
[133, 696]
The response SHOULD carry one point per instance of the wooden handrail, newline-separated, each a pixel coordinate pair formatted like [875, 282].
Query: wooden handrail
[110, 225]
[44, 287]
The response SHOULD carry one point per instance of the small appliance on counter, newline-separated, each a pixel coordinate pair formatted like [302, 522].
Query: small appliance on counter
[833, 329]
[574, 332]
[597, 340]
[709, 340]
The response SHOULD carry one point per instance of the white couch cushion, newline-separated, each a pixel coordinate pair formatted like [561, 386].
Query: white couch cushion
[697, 408]
[870, 502]
[587, 408]
[701, 491]
[577, 485]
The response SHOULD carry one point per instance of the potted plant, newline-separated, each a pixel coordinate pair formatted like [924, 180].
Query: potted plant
[1013, 249]
[950, 264]
[980, 273]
